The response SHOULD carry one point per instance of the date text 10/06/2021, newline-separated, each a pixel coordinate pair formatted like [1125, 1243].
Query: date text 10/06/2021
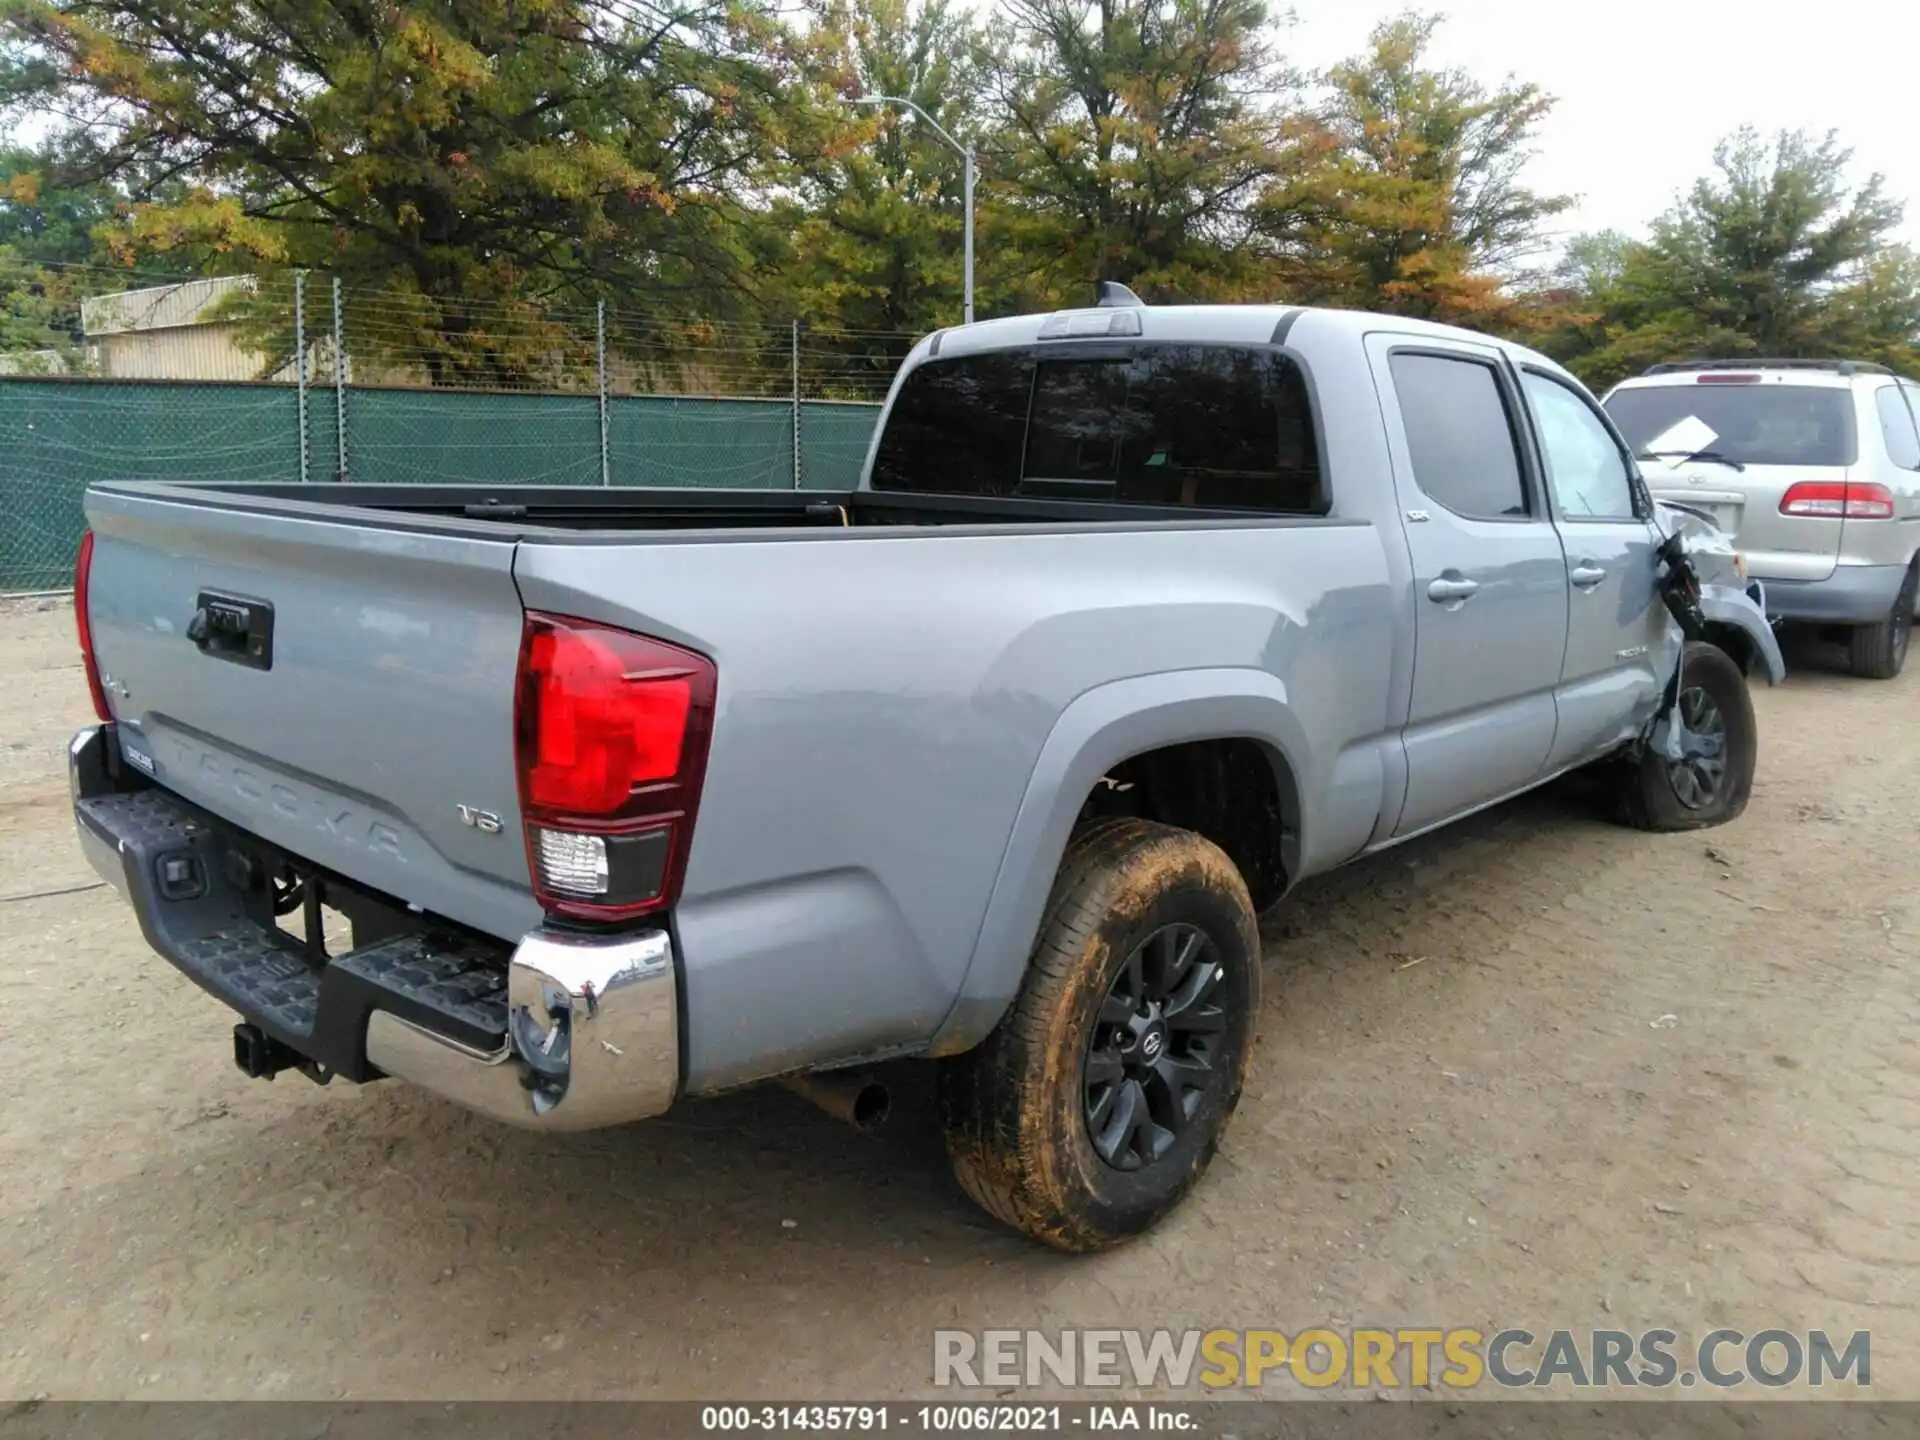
[962, 1418]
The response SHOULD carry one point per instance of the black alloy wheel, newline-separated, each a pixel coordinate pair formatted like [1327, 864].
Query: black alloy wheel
[1149, 1064]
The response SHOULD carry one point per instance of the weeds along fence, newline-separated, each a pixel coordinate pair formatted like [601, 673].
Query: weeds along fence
[296, 379]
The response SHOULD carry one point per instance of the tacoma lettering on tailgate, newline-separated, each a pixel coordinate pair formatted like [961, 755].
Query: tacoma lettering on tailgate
[334, 818]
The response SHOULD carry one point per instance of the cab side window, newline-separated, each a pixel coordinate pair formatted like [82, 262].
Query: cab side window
[1585, 469]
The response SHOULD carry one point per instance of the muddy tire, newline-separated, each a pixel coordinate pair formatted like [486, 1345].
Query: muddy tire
[1709, 785]
[1879, 651]
[1101, 1096]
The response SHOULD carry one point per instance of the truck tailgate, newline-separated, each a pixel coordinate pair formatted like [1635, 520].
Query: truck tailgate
[353, 701]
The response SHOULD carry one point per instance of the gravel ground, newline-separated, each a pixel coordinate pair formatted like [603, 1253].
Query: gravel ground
[1533, 1071]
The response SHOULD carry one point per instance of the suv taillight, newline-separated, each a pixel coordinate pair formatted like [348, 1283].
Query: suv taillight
[610, 739]
[1838, 500]
[82, 582]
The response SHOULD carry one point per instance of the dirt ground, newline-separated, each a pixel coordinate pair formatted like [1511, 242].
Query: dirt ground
[1533, 1071]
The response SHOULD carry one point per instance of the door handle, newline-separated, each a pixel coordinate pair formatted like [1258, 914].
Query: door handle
[1587, 574]
[1448, 588]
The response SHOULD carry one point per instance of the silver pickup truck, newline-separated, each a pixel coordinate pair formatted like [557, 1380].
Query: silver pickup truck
[567, 804]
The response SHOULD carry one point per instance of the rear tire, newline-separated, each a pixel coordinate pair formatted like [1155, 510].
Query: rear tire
[1710, 784]
[1101, 1096]
[1879, 651]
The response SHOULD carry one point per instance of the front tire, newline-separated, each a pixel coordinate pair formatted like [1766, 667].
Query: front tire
[1711, 782]
[1100, 1098]
[1879, 651]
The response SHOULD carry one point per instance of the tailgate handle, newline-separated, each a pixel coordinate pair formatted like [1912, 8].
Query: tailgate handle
[228, 627]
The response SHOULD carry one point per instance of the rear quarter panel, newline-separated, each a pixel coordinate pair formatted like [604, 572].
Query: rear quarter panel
[891, 702]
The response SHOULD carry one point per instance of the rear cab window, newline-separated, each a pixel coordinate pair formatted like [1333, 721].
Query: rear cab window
[1747, 423]
[1201, 426]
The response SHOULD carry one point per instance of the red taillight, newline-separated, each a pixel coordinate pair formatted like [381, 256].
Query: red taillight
[1727, 380]
[1838, 500]
[82, 580]
[610, 732]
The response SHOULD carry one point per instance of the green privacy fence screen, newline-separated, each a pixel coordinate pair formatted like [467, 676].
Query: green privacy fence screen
[58, 436]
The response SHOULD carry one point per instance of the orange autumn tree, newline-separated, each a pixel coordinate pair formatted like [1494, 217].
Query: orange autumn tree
[1417, 205]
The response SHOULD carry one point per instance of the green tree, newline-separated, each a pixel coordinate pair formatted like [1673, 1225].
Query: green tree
[1773, 254]
[45, 215]
[39, 317]
[1418, 205]
[46, 240]
[1137, 135]
[874, 248]
[449, 160]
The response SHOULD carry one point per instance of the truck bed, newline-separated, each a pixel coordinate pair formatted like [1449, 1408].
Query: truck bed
[889, 688]
[629, 510]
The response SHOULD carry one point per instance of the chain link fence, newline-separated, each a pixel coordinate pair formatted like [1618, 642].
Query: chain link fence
[298, 378]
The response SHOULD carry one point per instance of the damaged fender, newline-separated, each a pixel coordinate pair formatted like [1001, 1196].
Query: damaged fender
[1725, 605]
[1702, 584]
[1717, 605]
[1697, 605]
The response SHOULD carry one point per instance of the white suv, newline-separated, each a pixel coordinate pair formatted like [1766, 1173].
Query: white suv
[1813, 466]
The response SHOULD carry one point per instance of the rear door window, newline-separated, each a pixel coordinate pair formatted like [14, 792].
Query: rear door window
[1218, 427]
[1460, 435]
[1753, 424]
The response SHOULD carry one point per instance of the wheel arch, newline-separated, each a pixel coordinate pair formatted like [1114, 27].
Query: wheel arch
[1736, 625]
[1100, 732]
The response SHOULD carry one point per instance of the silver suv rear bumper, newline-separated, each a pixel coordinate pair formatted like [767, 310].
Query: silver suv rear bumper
[576, 1031]
[1851, 595]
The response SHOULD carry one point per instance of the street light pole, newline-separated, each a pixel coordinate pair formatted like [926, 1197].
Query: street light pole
[966, 157]
[966, 161]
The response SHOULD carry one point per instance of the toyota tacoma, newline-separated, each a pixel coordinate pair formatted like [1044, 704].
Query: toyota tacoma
[568, 804]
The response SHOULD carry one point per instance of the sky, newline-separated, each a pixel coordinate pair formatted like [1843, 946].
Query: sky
[1644, 89]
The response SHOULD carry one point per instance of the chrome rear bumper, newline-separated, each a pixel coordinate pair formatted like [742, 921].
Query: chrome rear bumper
[592, 1037]
[581, 1032]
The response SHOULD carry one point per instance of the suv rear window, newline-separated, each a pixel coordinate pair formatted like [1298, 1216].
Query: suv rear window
[1753, 424]
[1203, 425]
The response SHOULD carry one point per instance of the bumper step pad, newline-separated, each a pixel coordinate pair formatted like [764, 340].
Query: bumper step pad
[271, 984]
[178, 864]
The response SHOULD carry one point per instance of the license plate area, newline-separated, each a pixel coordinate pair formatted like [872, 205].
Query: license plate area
[1727, 517]
[1726, 511]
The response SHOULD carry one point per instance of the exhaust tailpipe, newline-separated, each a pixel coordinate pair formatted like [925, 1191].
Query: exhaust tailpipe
[850, 1095]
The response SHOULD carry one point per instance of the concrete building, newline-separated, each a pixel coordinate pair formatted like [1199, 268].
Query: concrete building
[171, 332]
